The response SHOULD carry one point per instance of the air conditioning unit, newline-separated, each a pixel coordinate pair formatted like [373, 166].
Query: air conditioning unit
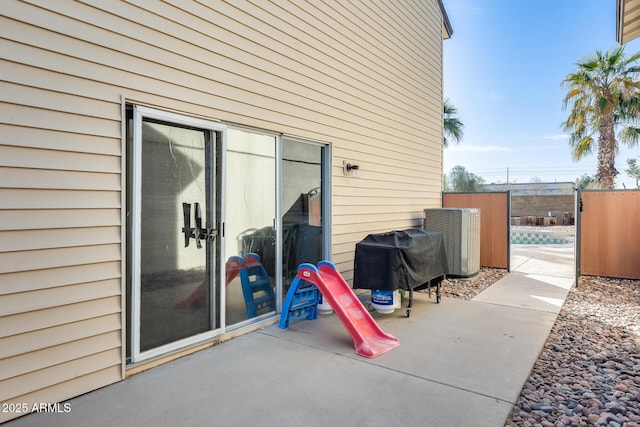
[460, 230]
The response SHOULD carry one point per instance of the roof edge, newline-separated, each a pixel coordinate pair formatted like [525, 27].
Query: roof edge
[619, 18]
[445, 20]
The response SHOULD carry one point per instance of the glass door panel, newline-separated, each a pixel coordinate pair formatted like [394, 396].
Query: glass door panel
[175, 273]
[250, 212]
[302, 206]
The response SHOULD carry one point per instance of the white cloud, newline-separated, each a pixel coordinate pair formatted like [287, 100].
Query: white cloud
[465, 7]
[477, 148]
[556, 137]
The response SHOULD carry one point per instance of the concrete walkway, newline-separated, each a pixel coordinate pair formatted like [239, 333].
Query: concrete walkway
[460, 363]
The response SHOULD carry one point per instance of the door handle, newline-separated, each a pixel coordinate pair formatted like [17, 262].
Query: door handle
[198, 232]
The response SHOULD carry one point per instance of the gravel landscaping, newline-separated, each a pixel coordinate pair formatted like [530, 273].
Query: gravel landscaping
[470, 287]
[588, 372]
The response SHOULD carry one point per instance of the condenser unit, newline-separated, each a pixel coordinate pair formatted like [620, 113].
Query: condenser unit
[460, 230]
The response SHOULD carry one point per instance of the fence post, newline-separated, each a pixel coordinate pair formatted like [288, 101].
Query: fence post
[577, 206]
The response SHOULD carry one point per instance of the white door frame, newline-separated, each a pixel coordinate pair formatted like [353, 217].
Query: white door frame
[139, 113]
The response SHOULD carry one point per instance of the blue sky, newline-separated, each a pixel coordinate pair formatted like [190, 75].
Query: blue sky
[503, 70]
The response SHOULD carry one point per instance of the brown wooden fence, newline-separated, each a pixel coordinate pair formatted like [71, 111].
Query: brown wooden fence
[609, 233]
[495, 220]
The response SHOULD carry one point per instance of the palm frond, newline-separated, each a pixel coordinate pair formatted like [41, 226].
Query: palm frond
[452, 126]
[582, 146]
[630, 135]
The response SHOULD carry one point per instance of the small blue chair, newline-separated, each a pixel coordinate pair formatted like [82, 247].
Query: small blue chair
[301, 301]
[256, 286]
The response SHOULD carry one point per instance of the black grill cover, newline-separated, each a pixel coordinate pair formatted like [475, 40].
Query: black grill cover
[399, 260]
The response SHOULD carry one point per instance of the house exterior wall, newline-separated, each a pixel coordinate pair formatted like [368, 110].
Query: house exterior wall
[362, 76]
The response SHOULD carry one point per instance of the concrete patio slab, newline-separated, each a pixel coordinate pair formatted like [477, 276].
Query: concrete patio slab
[534, 292]
[260, 379]
[458, 343]
[540, 279]
[548, 260]
[459, 363]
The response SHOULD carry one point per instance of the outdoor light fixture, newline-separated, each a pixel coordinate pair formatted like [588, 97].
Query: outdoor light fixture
[350, 168]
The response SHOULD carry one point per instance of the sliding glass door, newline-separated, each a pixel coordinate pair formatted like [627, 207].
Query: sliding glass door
[218, 221]
[175, 230]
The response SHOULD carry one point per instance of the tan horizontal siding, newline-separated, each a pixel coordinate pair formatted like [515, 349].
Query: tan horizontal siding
[43, 338]
[219, 86]
[400, 207]
[272, 41]
[17, 219]
[37, 158]
[61, 315]
[327, 39]
[63, 86]
[346, 204]
[41, 178]
[345, 247]
[24, 302]
[30, 280]
[52, 356]
[370, 225]
[20, 115]
[415, 158]
[371, 195]
[67, 118]
[60, 140]
[58, 199]
[64, 390]
[392, 160]
[13, 241]
[190, 73]
[378, 179]
[48, 99]
[380, 217]
[23, 384]
[59, 257]
[377, 43]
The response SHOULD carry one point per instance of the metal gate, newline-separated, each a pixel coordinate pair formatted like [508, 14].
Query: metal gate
[608, 233]
[495, 224]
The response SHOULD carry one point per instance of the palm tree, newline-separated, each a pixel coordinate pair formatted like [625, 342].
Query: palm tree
[605, 96]
[452, 125]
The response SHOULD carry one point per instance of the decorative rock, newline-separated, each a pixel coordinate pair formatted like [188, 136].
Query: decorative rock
[588, 372]
[467, 289]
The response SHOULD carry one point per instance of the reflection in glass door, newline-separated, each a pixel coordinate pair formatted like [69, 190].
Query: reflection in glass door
[250, 240]
[174, 268]
[303, 220]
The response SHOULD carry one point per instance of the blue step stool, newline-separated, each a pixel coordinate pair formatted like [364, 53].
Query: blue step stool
[256, 286]
[301, 301]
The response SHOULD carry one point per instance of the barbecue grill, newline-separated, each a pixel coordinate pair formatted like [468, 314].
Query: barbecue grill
[408, 259]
